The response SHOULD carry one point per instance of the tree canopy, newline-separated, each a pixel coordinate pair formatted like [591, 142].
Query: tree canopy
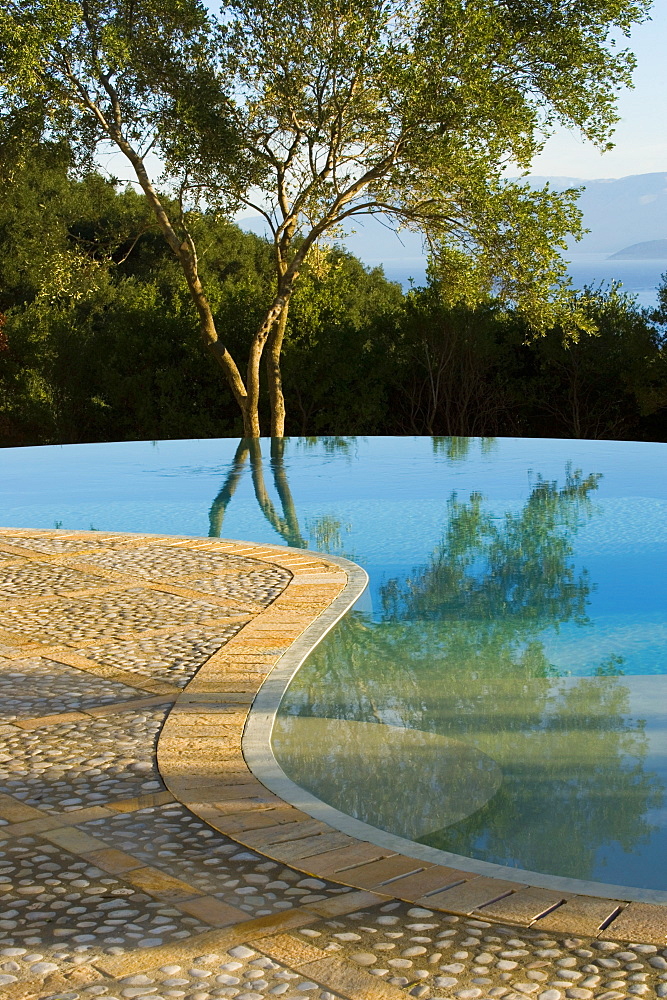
[315, 112]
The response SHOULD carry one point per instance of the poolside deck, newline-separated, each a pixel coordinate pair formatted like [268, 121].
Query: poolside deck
[142, 857]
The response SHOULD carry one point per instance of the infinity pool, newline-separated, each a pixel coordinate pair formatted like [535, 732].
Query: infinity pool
[500, 692]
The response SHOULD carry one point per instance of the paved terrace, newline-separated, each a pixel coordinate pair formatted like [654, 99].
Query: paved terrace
[141, 857]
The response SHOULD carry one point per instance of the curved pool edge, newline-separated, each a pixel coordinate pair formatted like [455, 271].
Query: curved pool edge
[258, 753]
[200, 760]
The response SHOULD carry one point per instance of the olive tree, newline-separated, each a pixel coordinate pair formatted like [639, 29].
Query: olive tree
[315, 112]
[414, 111]
[110, 75]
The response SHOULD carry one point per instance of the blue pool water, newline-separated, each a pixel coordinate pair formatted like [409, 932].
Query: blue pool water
[501, 690]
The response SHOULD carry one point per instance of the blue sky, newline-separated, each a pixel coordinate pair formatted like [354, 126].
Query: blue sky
[641, 135]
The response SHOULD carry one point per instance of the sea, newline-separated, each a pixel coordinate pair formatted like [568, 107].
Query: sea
[640, 278]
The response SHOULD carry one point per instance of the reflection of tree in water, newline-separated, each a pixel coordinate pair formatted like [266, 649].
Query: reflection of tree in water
[332, 444]
[287, 524]
[458, 448]
[325, 531]
[512, 572]
[459, 653]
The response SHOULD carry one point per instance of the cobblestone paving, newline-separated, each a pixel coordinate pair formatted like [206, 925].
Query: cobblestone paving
[75, 764]
[432, 955]
[241, 579]
[240, 972]
[110, 888]
[54, 543]
[174, 658]
[109, 616]
[36, 580]
[260, 588]
[35, 687]
[172, 837]
[63, 907]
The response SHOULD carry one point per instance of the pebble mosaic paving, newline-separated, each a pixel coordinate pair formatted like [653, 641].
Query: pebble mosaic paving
[108, 616]
[30, 688]
[85, 762]
[174, 657]
[111, 887]
[171, 837]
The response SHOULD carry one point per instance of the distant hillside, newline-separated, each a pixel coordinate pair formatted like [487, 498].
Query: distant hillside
[619, 212]
[652, 250]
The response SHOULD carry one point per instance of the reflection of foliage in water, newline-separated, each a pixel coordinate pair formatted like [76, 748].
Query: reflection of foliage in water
[326, 532]
[497, 570]
[459, 653]
[331, 443]
[458, 448]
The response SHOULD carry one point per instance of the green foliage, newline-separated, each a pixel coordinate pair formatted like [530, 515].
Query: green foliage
[320, 110]
[609, 384]
[415, 113]
[339, 350]
[98, 336]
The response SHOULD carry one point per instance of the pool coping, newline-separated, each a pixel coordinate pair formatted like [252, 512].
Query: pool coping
[259, 755]
[341, 848]
[200, 756]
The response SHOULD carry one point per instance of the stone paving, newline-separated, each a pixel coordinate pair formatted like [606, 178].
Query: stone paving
[139, 857]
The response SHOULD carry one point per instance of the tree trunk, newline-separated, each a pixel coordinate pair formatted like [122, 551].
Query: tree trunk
[272, 360]
[187, 257]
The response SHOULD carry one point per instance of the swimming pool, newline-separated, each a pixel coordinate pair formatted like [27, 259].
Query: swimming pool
[500, 691]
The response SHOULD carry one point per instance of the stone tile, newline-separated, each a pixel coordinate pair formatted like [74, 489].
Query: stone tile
[50, 720]
[254, 819]
[157, 883]
[524, 906]
[140, 802]
[350, 982]
[471, 895]
[269, 836]
[73, 840]
[288, 949]
[431, 880]
[346, 860]
[15, 811]
[378, 873]
[640, 922]
[301, 850]
[347, 902]
[579, 915]
[213, 911]
[111, 860]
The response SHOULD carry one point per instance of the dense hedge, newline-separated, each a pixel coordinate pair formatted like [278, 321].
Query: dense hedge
[98, 337]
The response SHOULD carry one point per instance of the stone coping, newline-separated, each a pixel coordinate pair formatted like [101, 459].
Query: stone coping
[98, 586]
[322, 841]
[258, 754]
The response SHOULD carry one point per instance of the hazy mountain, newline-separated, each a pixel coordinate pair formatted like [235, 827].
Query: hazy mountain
[619, 213]
[652, 250]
